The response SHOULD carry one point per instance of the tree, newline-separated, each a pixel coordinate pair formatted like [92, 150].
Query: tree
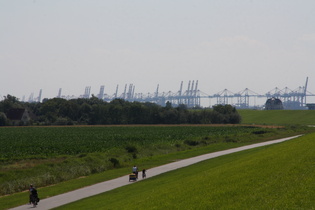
[168, 105]
[225, 114]
[169, 116]
[3, 119]
[84, 113]
[8, 103]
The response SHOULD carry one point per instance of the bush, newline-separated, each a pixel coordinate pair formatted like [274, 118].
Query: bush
[131, 149]
[115, 162]
[191, 142]
[259, 132]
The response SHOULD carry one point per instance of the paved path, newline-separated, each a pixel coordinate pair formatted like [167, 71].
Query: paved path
[75, 195]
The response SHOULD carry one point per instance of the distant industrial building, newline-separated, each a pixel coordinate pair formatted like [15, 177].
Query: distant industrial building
[311, 106]
[273, 104]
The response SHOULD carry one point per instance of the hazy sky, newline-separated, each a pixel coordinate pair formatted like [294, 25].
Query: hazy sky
[233, 44]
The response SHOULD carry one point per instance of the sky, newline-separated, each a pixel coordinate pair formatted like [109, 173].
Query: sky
[230, 44]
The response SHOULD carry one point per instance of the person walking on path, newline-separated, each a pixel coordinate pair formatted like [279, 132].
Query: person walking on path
[135, 170]
[144, 175]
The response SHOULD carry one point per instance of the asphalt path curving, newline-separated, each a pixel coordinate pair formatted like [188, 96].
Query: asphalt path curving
[95, 189]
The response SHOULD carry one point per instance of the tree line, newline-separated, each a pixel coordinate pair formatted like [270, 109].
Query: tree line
[94, 111]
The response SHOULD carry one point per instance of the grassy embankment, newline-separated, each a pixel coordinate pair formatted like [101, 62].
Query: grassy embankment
[278, 117]
[280, 176]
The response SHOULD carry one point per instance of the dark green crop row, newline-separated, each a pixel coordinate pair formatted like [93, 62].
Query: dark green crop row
[45, 142]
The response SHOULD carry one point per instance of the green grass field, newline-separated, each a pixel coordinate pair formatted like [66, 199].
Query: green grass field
[280, 176]
[278, 117]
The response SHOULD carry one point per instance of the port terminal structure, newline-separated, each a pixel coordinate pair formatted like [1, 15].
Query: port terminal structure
[192, 96]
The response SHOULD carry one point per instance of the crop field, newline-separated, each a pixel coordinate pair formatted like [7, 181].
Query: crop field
[45, 142]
